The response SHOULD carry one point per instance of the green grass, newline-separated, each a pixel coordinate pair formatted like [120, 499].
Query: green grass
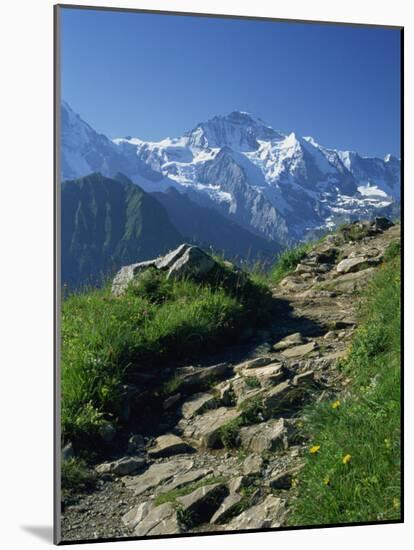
[393, 251]
[252, 381]
[105, 340]
[288, 260]
[229, 433]
[76, 476]
[352, 231]
[365, 425]
[252, 412]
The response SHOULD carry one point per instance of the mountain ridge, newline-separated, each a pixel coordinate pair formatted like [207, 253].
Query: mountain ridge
[279, 186]
[105, 223]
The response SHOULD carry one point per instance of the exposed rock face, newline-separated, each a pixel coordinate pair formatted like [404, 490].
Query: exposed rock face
[157, 474]
[304, 378]
[193, 263]
[184, 479]
[268, 436]
[185, 261]
[230, 505]
[279, 397]
[227, 508]
[198, 403]
[245, 393]
[283, 480]
[365, 228]
[350, 265]
[299, 351]
[253, 363]
[160, 520]
[122, 467]
[194, 376]
[200, 505]
[264, 515]
[204, 430]
[294, 339]
[253, 465]
[136, 515]
[265, 375]
[225, 393]
[169, 444]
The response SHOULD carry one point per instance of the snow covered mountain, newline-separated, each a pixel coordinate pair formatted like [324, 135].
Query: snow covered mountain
[84, 151]
[282, 187]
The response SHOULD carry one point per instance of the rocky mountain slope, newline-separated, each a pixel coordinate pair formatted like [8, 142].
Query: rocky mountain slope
[211, 229]
[281, 187]
[106, 223]
[227, 448]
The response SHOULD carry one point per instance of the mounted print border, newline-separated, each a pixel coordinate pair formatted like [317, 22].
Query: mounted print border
[228, 302]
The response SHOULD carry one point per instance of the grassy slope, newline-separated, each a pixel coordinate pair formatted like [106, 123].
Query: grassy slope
[288, 260]
[105, 340]
[363, 426]
[108, 223]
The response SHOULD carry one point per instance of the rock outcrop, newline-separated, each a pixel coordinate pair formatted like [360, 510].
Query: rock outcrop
[185, 261]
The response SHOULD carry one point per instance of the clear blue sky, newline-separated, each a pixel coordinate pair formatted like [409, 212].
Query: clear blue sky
[152, 76]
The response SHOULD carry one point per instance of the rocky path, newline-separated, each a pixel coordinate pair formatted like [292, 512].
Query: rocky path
[232, 446]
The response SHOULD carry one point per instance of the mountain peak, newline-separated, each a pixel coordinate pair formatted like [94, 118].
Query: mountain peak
[238, 130]
[244, 117]
[312, 141]
[276, 185]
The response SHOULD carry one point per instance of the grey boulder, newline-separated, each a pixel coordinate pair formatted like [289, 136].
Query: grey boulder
[267, 514]
[122, 467]
[185, 261]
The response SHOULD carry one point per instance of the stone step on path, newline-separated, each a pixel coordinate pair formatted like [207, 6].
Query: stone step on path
[229, 506]
[204, 430]
[168, 445]
[198, 403]
[158, 473]
[199, 506]
[265, 515]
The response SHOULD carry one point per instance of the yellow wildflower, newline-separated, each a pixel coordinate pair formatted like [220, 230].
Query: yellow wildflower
[294, 483]
[396, 502]
[335, 404]
[346, 459]
[314, 449]
[327, 480]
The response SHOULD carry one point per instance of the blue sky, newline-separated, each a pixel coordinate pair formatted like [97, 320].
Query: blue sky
[153, 76]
